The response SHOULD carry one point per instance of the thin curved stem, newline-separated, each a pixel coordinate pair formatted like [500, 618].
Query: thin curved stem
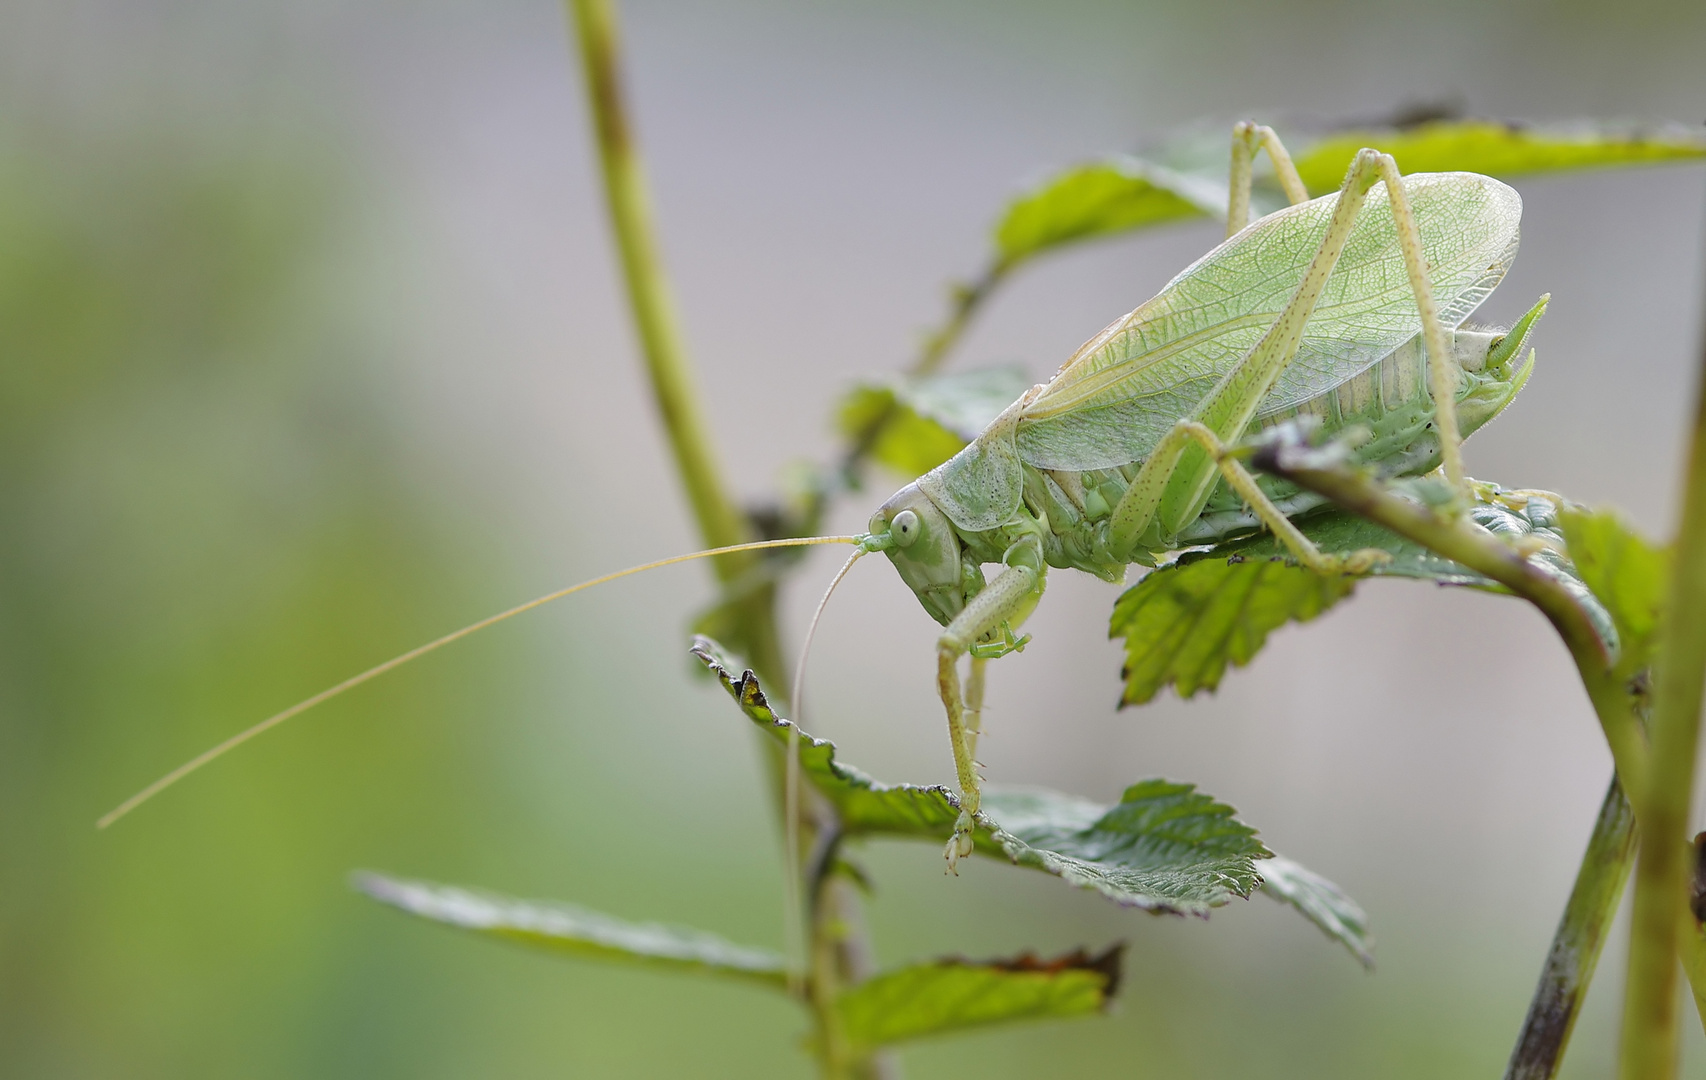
[674, 388]
[721, 522]
[1649, 1047]
[1576, 945]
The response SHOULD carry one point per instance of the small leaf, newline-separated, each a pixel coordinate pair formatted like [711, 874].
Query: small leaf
[1185, 175]
[1100, 199]
[564, 928]
[1166, 847]
[1322, 903]
[863, 804]
[1625, 572]
[1496, 149]
[953, 995]
[1183, 623]
[915, 425]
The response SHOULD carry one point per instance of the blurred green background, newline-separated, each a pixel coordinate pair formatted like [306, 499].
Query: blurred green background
[311, 349]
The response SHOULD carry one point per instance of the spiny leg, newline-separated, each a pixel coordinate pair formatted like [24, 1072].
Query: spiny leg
[1357, 562]
[974, 702]
[1008, 599]
[1247, 138]
[1178, 476]
[1442, 382]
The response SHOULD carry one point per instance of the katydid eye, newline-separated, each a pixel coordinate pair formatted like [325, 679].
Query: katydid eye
[905, 528]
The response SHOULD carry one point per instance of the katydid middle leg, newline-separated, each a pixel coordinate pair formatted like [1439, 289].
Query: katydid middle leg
[1003, 603]
[1288, 534]
[1247, 138]
[1177, 478]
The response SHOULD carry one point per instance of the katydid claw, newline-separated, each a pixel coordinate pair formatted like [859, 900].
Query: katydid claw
[960, 844]
[1362, 561]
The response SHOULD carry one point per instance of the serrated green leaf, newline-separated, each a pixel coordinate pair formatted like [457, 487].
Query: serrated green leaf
[1495, 149]
[947, 996]
[565, 928]
[1515, 515]
[1099, 199]
[1166, 847]
[1630, 576]
[915, 425]
[865, 805]
[1322, 903]
[1183, 623]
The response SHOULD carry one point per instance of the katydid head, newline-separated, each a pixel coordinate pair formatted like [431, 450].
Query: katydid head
[924, 549]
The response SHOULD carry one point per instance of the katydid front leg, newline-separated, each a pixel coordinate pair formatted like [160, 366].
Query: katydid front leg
[1007, 600]
[1179, 475]
[974, 701]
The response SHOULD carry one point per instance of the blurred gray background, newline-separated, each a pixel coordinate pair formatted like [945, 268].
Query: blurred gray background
[311, 348]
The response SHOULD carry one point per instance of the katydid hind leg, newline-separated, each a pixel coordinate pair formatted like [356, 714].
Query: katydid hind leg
[1177, 478]
[1300, 546]
[1442, 378]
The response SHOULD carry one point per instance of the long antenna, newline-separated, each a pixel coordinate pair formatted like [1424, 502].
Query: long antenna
[414, 654]
[791, 925]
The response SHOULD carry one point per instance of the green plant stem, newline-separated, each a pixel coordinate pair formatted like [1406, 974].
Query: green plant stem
[836, 933]
[1576, 946]
[720, 520]
[1693, 949]
[1459, 539]
[1649, 1047]
[966, 300]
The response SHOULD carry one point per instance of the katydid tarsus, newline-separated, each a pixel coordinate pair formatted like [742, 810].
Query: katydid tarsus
[1347, 307]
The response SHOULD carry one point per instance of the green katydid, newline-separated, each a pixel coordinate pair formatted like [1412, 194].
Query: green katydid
[1332, 307]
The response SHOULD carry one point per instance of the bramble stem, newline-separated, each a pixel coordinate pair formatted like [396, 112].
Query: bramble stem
[1575, 948]
[966, 300]
[1649, 1047]
[836, 941]
[1459, 539]
[720, 520]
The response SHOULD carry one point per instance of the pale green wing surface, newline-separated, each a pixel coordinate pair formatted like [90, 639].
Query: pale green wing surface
[1111, 403]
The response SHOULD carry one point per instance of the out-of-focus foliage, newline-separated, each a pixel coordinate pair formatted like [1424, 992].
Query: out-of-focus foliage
[1322, 903]
[564, 928]
[204, 520]
[1627, 573]
[937, 997]
[945, 996]
[916, 424]
[1187, 177]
